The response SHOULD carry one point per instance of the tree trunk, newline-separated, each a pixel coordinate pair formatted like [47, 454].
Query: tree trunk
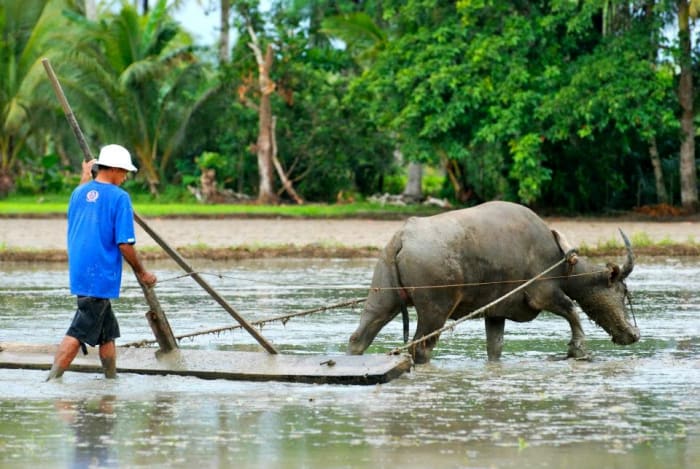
[6, 183]
[208, 182]
[8, 150]
[90, 10]
[144, 5]
[454, 173]
[661, 194]
[414, 189]
[147, 169]
[224, 37]
[266, 194]
[688, 171]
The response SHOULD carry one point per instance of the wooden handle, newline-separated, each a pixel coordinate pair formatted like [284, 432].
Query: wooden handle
[87, 155]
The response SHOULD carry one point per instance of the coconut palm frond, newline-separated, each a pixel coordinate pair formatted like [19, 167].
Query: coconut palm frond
[155, 20]
[363, 37]
[26, 28]
[162, 39]
[142, 71]
[354, 27]
[121, 39]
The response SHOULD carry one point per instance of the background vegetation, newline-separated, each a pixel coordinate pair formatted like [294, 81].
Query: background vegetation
[575, 106]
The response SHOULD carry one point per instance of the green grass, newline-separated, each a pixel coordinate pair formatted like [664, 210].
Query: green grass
[55, 205]
[641, 240]
[34, 205]
[643, 244]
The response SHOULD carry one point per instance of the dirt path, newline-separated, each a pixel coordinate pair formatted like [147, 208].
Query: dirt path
[42, 234]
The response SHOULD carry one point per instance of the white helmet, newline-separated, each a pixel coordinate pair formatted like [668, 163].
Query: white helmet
[116, 156]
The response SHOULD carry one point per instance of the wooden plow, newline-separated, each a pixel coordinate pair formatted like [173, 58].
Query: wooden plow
[169, 359]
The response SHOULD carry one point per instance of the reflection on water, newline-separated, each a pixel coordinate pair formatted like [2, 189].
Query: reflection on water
[631, 407]
[93, 422]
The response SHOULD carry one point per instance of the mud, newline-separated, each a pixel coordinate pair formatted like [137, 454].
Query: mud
[635, 406]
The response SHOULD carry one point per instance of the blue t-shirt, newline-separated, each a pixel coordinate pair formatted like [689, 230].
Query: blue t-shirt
[100, 218]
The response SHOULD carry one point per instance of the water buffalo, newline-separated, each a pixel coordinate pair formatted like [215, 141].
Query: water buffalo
[449, 265]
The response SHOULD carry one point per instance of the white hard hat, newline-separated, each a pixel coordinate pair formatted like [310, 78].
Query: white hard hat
[116, 156]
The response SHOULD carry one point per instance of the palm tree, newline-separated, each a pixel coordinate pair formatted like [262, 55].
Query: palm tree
[28, 31]
[142, 85]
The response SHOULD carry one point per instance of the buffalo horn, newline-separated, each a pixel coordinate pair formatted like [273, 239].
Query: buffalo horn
[629, 262]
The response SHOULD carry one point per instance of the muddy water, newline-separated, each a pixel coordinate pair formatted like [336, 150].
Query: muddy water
[637, 406]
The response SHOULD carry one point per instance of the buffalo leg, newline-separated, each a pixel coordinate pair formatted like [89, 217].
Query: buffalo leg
[577, 347]
[426, 325]
[431, 317]
[494, 337]
[561, 305]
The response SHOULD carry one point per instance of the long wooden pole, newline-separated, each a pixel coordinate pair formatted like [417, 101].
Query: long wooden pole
[150, 296]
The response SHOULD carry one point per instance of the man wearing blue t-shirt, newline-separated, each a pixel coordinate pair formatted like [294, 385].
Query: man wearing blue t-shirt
[100, 234]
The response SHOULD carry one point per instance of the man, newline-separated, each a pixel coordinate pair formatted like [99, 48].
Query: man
[100, 234]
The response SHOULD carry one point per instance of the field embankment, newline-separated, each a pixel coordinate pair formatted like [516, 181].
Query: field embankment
[230, 238]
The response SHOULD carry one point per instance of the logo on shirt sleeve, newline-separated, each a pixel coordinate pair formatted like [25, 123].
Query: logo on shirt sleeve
[92, 196]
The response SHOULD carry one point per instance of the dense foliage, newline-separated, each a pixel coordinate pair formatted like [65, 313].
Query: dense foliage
[562, 105]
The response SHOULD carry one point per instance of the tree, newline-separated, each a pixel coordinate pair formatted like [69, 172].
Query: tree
[144, 85]
[430, 86]
[225, 35]
[617, 92]
[528, 101]
[323, 145]
[413, 190]
[144, 6]
[265, 144]
[223, 44]
[365, 39]
[90, 10]
[27, 30]
[334, 150]
[688, 168]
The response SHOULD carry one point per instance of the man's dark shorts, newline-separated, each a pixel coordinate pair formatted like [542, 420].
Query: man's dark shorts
[94, 322]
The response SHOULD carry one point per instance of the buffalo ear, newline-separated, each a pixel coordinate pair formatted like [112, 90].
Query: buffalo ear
[614, 273]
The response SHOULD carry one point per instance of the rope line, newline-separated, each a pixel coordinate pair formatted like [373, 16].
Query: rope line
[479, 284]
[378, 289]
[283, 319]
[481, 310]
[257, 281]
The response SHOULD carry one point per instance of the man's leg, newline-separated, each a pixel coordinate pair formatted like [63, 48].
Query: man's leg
[108, 356]
[65, 354]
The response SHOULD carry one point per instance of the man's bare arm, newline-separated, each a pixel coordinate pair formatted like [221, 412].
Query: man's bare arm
[132, 258]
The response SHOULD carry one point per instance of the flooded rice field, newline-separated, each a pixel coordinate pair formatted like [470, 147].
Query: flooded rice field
[635, 406]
